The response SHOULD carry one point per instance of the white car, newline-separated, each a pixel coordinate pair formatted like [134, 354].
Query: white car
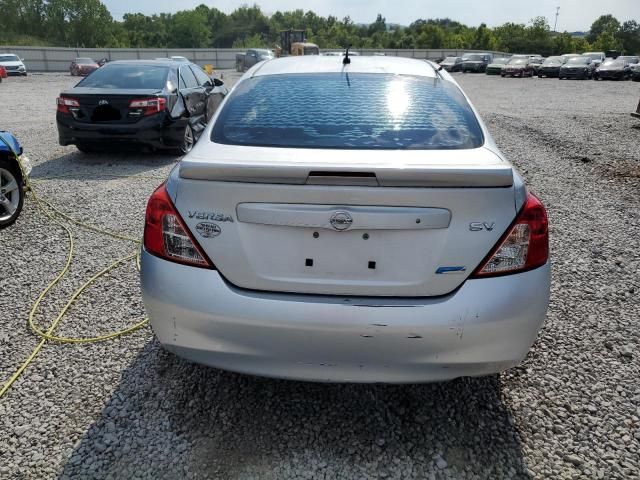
[13, 64]
[346, 223]
[596, 57]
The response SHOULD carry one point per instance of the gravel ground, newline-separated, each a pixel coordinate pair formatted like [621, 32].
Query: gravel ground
[127, 409]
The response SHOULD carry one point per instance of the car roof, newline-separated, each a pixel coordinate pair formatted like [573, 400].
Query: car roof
[158, 62]
[333, 64]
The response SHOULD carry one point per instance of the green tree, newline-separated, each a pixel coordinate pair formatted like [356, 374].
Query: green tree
[629, 36]
[484, 39]
[189, 29]
[511, 37]
[563, 43]
[581, 45]
[604, 23]
[606, 41]
[379, 26]
[539, 36]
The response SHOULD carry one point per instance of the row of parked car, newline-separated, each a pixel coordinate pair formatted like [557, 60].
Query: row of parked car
[584, 66]
[11, 64]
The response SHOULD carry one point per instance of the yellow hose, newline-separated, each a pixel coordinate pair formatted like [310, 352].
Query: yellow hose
[55, 215]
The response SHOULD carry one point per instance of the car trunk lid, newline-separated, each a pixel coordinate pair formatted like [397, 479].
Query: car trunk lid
[401, 229]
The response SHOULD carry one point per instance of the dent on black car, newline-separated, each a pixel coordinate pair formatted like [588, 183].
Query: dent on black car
[157, 104]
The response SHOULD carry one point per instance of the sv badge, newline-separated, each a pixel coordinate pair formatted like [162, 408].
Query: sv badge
[477, 226]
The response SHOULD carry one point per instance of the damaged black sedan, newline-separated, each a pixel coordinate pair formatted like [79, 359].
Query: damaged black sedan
[159, 104]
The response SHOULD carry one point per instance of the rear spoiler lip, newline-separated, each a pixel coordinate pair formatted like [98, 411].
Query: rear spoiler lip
[486, 176]
[482, 167]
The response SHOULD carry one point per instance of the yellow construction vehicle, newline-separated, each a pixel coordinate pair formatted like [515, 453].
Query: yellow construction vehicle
[294, 42]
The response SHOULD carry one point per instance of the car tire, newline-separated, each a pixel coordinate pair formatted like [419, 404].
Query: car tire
[86, 148]
[188, 141]
[9, 173]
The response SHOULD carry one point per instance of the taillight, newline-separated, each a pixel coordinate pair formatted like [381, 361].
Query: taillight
[525, 245]
[64, 103]
[148, 106]
[166, 236]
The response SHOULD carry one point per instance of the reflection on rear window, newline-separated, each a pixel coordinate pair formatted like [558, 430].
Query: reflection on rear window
[127, 76]
[352, 111]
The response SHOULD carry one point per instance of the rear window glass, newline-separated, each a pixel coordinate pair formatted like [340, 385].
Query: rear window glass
[352, 111]
[127, 76]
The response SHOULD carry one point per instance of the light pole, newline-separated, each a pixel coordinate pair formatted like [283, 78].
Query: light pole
[556, 23]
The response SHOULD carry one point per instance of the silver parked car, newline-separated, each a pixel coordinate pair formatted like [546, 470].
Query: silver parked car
[347, 224]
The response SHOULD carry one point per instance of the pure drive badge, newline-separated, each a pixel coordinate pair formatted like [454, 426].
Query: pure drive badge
[208, 230]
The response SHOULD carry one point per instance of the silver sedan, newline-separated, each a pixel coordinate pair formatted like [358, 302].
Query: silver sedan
[347, 223]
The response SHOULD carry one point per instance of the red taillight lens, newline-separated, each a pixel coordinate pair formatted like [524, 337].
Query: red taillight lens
[148, 106]
[525, 245]
[64, 103]
[166, 236]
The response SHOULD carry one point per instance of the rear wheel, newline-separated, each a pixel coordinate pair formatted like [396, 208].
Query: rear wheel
[11, 193]
[188, 141]
[86, 148]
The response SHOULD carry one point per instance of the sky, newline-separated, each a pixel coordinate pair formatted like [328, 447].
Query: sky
[575, 15]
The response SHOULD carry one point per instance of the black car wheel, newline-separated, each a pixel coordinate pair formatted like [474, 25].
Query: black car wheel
[188, 141]
[86, 148]
[11, 192]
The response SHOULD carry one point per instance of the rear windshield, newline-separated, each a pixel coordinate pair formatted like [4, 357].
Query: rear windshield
[127, 76]
[351, 111]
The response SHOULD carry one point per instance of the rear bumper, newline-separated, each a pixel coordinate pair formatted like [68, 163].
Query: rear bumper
[158, 131]
[484, 327]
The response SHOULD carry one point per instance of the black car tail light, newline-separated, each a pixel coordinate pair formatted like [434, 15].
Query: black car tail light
[147, 106]
[65, 103]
